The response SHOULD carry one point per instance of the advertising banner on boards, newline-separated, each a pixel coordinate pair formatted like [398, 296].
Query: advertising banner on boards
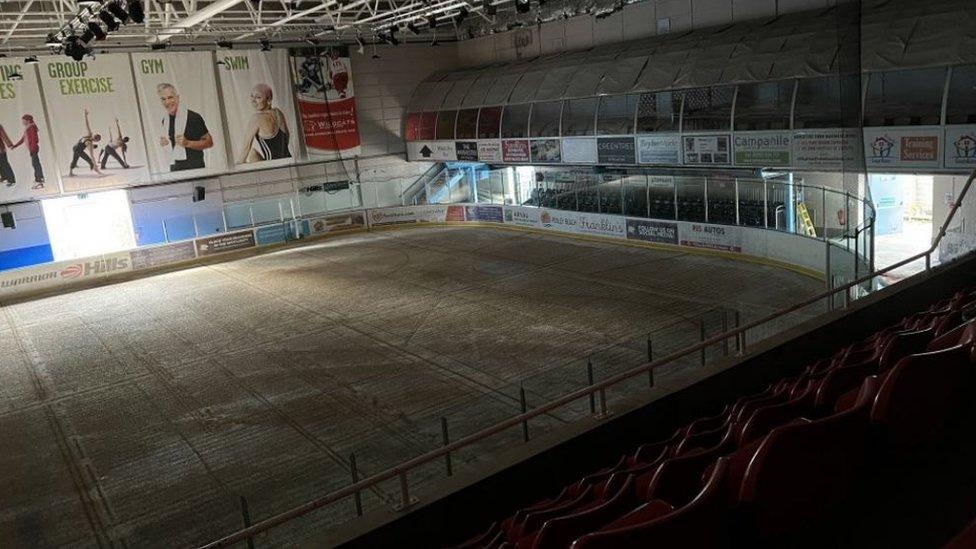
[180, 113]
[466, 151]
[515, 150]
[559, 220]
[663, 232]
[825, 148]
[28, 166]
[546, 151]
[225, 242]
[154, 256]
[327, 103]
[763, 148]
[257, 90]
[338, 222]
[960, 148]
[61, 272]
[616, 150]
[902, 147]
[483, 213]
[489, 151]
[579, 150]
[659, 149]
[434, 213]
[712, 237]
[521, 216]
[95, 125]
[606, 225]
[707, 149]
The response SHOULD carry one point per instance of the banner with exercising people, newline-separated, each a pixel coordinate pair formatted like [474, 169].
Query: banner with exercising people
[326, 102]
[26, 157]
[95, 122]
[180, 114]
[260, 110]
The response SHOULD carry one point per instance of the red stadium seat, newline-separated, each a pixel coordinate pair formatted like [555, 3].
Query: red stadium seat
[560, 532]
[802, 468]
[701, 523]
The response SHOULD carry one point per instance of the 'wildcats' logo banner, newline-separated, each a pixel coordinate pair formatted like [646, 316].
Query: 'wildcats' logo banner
[327, 103]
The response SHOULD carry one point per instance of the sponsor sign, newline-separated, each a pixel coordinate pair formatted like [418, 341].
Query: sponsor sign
[490, 151]
[559, 220]
[408, 214]
[515, 150]
[707, 149]
[909, 148]
[523, 217]
[274, 234]
[225, 243]
[659, 149]
[616, 150]
[763, 149]
[443, 151]
[546, 151]
[607, 225]
[55, 274]
[652, 231]
[145, 258]
[960, 149]
[826, 149]
[713, 237]
[454, 213]
[327, 103]
[484, 213]
[340, 222]
[579, 150]
[466, 151]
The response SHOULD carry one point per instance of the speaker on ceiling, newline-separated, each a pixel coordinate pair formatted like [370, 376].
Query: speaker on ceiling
[199, 194]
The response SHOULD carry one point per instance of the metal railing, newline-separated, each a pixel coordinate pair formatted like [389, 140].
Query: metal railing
[738, 335]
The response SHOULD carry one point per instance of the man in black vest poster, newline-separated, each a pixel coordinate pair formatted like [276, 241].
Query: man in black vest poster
[185, 134]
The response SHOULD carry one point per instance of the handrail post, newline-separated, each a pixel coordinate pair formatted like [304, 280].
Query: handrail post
[589, 381]
[725, 330]
[603, 402]
[525, 422]
[357, 497]
[447, 441]
[405, 500]
[650, 358]
[701, 335]
[247, 521]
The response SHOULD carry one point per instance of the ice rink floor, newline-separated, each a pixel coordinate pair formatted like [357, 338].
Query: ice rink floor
[138, 414]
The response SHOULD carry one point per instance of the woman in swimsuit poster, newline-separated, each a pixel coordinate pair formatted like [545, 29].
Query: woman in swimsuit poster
[267, 133]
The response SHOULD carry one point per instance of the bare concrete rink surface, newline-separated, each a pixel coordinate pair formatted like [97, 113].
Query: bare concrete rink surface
[139, 414]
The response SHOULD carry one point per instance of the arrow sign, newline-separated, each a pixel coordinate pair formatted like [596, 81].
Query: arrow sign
[426, 152]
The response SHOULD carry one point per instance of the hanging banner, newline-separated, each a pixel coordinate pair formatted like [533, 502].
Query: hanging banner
[707, 149]
[180, 113]
[430, 151]
[94, 118]
[579, 150]
[467, 151]
[616, 150]
[27, 161]
[902, 147]
[515, 150]
[259, 107]
[960, 147]
[327, 103]
[763, 149]
[490, 151]
[546, 151]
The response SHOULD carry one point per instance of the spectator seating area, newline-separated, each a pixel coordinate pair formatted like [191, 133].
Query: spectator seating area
[771, 463]
[656, 206]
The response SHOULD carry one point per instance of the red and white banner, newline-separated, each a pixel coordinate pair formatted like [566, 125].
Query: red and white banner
[327, 103]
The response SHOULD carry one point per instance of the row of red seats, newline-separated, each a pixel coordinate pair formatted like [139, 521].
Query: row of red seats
[769, 462]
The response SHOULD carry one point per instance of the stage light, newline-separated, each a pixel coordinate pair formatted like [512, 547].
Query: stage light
[75, 48]
[488, 8]
[136, 11]
[32, 60]
[96, 29]
[265, 45]
[15, 76]
[110, 23]
[156, 46]
[87, 36]
[115, 9]
[522, 7]
[53, 41]
[225, 44]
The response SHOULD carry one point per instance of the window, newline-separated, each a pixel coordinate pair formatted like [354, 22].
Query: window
[818, 103]
[707, 109]
[428, 122]
[515, 121]
[658, 112]
[764, 106]
[905, 98]
[545, 119]
[579, 116]
[445, 124]
[616, 115]
[467, 124]
[488, 122]
[961, 108]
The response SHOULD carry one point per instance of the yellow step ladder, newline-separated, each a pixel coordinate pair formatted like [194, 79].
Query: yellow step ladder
[808, 228]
